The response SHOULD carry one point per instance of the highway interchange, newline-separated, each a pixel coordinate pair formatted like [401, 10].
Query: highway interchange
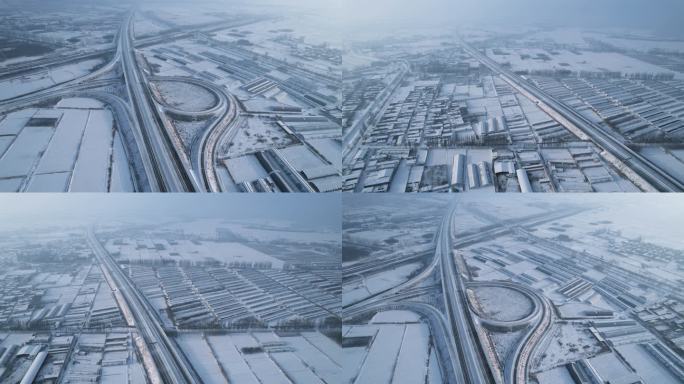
[463, 358]
[156, 147]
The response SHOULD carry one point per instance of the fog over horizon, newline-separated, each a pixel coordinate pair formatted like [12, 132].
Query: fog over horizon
[322, 211]
[662, 17]
[381, 17]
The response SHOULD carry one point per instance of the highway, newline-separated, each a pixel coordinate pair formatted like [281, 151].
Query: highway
[205, 155]
[372, 113]
[651, 173]
[464, 239]
[167, 167]
[165, 36]
[171, 363]
[472, 365]
[523, 354]
[388, 294]
[203, 150]
[171, 174]
[462, 329]
[535, 325]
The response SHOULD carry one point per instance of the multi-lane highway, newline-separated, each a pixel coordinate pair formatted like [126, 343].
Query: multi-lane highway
[166, 166]
[462, 329]
[205, 154]
[650, 172]
[171, 174]
[170, 362]
[165, 36]
[472, 365]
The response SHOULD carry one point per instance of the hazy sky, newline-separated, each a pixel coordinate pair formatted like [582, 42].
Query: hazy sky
[389, 16]
[656, 217]
[311, 210]
[660, 15]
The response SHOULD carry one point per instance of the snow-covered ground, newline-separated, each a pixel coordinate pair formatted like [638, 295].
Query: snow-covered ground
[20, 86]
[245, 168]
[591, 61]
[568, 342]
[398, 353]
[185, 96]
[395, 316]
[503, 303]
[255, 134]
[145, 250]
[201, 357]
[650, 369]
[264, 357]
[369, 285]
[78, 151]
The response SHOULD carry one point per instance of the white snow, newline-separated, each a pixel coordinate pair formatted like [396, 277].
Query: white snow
[379, 365]
[231, 360]
[23, 154]
[49, 182]
[318, 357]
[650, 370]
[61, 153]
[189, 251]
[121, 178]
[367, 286]
[45, 79]
[201, 357]
[260, 363]
[395, 316]
[412, 363]
[92, 164]
[80, 103]
[245, 168]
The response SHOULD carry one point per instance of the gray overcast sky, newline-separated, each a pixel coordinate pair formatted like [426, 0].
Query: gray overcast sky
[663, 16]
[308, 210]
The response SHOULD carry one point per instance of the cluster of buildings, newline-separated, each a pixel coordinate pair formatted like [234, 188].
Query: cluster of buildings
[33, 300]
[666, 319]
[463, 109]
[37, 357]
[640, 110]
[310, 52]
[231, 298]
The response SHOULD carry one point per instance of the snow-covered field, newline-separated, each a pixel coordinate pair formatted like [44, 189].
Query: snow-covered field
[79, 152]
[185, 96]
[145, 250]
[586, 61]
[255, 134]
[646, 365]
[398, 353]
[245, 168]
[264, 357]
[27, 84]
[364, 287]
[91, 168]
[201, 357]
[503, 303]
[301, 157]
[568, 342]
